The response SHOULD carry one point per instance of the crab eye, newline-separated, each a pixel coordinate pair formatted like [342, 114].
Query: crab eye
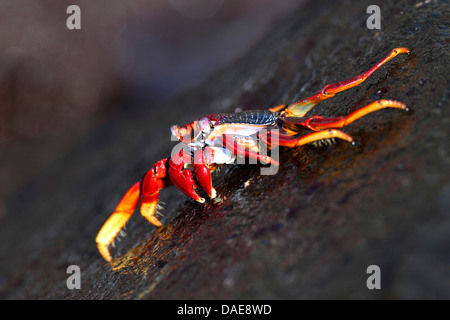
[203, 123]
[174, 130]
[183, 134]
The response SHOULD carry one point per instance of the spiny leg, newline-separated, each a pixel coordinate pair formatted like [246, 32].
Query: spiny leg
[150, 194]
[154, 180]
[117, 220]
[274, 138]
[149, 204]
[317, 123]
[300, 108]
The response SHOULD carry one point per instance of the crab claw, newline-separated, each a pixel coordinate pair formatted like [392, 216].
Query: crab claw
[204, 179]
[183, 180]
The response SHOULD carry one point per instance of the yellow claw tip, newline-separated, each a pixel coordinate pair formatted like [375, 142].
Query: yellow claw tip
[153, 220]
[201, 200]
[104, 251]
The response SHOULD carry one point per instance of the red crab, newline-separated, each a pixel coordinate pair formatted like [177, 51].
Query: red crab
[219, 139]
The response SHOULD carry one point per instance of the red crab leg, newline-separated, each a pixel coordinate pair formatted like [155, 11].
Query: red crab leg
[117, 220]
[318, 123]
[300, 108]
[231, 144]
[294, 141]
[154, 180]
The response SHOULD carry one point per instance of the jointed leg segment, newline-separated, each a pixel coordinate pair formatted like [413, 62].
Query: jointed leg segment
[317, 123]
[148, 190]
[300, 108]
[117, 220]
[274, 138]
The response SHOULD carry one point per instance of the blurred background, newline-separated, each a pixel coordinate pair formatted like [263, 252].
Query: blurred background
[56, 83]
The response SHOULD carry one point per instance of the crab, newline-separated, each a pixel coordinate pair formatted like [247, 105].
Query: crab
[219, 139]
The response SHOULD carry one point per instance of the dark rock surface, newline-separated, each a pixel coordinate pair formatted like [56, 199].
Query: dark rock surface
[311, 230]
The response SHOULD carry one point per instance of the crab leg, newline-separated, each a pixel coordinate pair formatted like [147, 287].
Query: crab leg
[117, 220]
[300, 108]
[231, 144]
[294, 141]
[154, 180]
[318, 123]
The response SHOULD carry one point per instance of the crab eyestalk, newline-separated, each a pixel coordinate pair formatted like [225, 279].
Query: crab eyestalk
[183, 134]
[190, 132]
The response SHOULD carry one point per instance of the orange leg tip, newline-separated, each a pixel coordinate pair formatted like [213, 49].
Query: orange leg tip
[341, 135]
[393, 104]
[401, 50]
[153, 220]
[104, 251]
[404, 107]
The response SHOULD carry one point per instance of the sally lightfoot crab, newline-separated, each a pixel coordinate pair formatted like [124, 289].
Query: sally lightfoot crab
[219, 139]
